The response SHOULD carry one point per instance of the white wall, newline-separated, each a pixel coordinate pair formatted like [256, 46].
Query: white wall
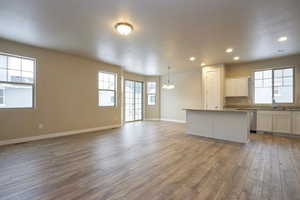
[187, 94]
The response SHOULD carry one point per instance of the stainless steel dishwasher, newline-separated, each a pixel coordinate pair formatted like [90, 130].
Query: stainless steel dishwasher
[253, 121]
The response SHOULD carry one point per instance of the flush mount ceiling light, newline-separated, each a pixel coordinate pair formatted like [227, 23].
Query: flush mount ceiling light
[168, 86]
[192, 58]
[124, 28]
[282, 39]
[229, 50]
[236, 58]
[203, 64]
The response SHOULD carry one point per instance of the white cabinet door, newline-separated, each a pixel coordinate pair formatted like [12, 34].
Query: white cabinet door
[265, 121]
[236, 87]
[296, 123]
[242, 87]
[282, 121]
[229, 88]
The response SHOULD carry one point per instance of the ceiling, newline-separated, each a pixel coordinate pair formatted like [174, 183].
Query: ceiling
[167, 32]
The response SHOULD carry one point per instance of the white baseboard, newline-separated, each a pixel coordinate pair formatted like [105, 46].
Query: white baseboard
[153, 119]
[54, 135]
[173, 120]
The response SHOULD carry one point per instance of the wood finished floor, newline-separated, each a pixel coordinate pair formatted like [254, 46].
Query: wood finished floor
[150, 160]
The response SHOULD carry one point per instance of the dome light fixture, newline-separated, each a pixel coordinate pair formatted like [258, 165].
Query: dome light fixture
[168, 86]
[124, 28]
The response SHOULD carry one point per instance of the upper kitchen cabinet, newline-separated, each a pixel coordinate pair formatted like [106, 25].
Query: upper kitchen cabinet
[237, 87]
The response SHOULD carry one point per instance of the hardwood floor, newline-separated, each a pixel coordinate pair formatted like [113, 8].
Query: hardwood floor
[150, 160]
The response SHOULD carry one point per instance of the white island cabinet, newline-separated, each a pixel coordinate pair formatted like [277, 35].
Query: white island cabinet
[222, 124]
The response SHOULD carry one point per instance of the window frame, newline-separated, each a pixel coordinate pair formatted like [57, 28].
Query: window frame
[114, 90]
[33, 84]
[148, 93]
[273, 69]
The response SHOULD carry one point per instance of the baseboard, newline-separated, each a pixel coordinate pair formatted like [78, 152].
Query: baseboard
[173, 120]
[153, 119]
[55, 135]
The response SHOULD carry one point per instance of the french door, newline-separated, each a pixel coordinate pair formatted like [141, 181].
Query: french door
[133, 100]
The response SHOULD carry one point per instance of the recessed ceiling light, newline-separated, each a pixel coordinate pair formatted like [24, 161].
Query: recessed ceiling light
[192, 58]
[229, 50]
[236, 58]
[282, 39]
[203, 64]
[124, 28]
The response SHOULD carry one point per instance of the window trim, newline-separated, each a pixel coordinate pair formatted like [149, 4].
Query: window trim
[152, 94]
[33, 106]
[114, 90]
[273, 69]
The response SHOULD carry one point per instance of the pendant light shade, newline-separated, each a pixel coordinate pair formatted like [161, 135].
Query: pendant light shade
[168, 85]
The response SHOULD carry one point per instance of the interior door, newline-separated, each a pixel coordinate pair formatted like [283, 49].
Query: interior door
[212, 89]
[133, 100]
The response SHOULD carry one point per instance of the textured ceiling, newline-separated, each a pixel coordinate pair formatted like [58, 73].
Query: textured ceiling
[167, 32]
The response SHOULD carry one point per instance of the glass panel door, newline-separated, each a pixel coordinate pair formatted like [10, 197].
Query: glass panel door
[129, 100]
[133, 100]
[138, 100]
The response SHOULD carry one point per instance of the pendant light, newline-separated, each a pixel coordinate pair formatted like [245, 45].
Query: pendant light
[168, 86]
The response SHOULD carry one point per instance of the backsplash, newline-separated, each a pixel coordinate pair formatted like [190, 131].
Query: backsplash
[238, 101]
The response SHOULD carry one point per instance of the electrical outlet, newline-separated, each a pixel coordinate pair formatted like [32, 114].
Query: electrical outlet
[41, 126]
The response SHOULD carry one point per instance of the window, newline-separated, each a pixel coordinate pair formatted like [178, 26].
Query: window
[2, 97]
[151, 93]
[17, 79]
[274, 84]
[107, 89]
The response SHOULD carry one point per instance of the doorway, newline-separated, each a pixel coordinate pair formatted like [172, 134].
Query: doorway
[133, 100]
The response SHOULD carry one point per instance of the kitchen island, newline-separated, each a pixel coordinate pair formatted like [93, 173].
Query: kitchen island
[223, 124]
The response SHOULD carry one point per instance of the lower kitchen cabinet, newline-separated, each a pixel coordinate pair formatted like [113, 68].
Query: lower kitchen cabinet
[264, 121]
[282, 121]
[296, 123]
[278, 121]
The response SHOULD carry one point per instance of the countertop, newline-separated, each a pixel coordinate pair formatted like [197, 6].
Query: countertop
[266, 109]
[218, 110]
[243, 109]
